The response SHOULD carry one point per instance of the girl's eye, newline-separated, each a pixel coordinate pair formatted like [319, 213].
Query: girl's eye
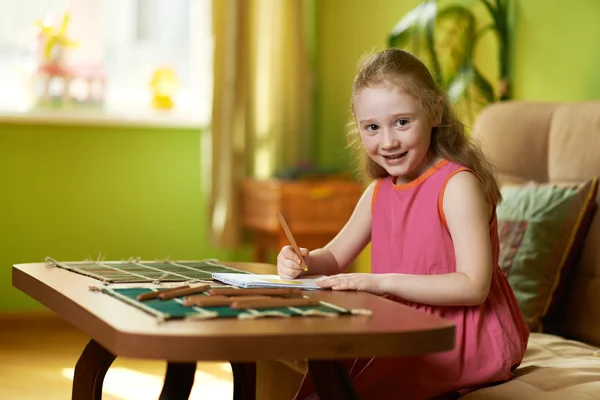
[401, 122]
[371, 127]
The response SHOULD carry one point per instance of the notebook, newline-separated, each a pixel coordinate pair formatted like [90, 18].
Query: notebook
[267, 281]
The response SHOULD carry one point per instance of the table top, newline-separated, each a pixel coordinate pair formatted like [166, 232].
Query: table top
[393, 329]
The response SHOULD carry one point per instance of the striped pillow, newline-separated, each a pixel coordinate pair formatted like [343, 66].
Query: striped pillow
[542, 228]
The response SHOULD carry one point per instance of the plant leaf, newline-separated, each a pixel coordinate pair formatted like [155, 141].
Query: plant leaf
[415, 33]
[470, 92]
[454, 39]
[494, 12]
[413, 24]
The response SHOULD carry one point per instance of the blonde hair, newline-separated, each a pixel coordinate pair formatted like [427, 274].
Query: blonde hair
[448, 140]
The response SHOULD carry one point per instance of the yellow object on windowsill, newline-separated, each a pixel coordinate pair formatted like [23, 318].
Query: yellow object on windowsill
[164, 85]
[53, 41]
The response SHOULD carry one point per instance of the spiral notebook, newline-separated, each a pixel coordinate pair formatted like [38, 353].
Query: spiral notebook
[267, 281]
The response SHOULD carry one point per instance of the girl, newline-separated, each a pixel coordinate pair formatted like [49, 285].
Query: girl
[430, 216]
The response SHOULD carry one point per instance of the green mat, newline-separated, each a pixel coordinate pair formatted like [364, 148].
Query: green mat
[173, 309]
[136, 271]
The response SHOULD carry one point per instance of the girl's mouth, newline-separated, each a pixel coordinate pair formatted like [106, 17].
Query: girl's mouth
[395, 156]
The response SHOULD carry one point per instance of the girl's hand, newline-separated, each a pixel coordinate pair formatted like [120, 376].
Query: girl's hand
[359, 281]
[288, 262]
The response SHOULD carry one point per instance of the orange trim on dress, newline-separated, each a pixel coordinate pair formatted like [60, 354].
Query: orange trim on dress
[375, 190]
[421, 178]
[441, 198]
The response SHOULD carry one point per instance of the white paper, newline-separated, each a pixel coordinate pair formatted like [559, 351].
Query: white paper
[267, 281]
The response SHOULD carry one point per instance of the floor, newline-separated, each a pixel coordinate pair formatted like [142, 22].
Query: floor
[37, 361]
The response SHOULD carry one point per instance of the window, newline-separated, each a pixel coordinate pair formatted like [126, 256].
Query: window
[128, 39]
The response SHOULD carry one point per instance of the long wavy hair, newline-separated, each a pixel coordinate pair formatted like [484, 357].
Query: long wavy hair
[448, 140]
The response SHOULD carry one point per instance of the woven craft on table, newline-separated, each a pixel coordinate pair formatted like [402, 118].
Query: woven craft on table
[137, 271]
[165, 310]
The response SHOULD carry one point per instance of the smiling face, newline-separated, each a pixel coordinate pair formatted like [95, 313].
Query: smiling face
[395, 130]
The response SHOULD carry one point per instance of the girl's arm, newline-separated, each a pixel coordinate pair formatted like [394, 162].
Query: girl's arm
[338, 254]
[468, 211]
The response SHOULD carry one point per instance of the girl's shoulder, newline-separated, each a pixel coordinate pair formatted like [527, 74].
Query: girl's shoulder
[458, 174]
[452, 167]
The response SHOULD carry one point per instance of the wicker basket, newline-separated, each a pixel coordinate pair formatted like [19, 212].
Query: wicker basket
[309, 207]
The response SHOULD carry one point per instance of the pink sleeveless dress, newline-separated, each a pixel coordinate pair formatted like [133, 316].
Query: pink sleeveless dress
[409, 236]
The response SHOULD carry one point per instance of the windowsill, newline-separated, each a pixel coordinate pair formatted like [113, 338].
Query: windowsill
[100, 117]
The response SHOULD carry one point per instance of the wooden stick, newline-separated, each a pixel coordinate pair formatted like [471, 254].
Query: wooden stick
[154, 295]
[203, 301]
[243, 304]
[214, 301]
[184, 292]
[290, 238]
[282, 292]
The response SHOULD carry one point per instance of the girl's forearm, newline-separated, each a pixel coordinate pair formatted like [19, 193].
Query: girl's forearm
[454, 289]
[322, 262]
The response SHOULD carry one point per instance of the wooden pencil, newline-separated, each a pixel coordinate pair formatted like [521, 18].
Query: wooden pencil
[183, 292]
[214, 301]
[290, 238]
[154, 295]
[243, 304]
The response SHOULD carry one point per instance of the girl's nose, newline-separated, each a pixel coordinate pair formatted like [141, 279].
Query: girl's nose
[389, 140]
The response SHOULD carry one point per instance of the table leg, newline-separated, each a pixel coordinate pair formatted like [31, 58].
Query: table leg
[90, 371]
[179, 380]
[244, 380]
[331, 381]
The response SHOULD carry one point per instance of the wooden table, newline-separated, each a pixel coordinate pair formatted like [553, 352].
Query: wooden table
[118, 329]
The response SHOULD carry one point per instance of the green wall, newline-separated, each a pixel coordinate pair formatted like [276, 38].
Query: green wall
[73, 192]
[557, 51]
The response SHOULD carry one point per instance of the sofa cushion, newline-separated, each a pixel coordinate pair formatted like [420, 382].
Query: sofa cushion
[514, 136]
[553, 368]
[542, 228]
[573, 141]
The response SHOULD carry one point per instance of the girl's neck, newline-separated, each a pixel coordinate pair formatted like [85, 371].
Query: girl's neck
[429, 161]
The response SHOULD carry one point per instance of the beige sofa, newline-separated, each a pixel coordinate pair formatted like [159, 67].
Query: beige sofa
[544, 142]
[550, 142]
